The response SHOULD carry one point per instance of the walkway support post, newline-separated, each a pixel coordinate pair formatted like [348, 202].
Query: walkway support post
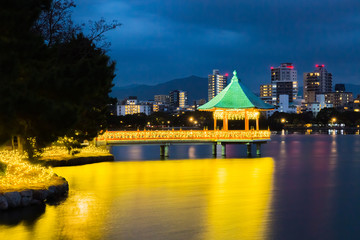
[223, 149]
[248, 145]
[164, 150]
[214, 149]
[258, 149]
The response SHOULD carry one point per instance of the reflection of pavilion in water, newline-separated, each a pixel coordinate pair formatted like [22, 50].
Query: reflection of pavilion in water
[235, 102]
[227, 199]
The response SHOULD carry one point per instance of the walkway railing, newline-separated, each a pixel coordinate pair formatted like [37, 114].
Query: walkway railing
[179, 135]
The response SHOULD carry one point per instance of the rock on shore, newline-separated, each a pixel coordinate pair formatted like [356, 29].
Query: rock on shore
[31, 197]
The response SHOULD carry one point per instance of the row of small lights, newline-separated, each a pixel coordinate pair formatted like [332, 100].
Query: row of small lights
[21, 175]
[183, 134]
[333, 120]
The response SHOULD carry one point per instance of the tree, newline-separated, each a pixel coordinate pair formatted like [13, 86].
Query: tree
[85, 75]
[49, 90]
[326, 114]
[23, 59]
[56, 26]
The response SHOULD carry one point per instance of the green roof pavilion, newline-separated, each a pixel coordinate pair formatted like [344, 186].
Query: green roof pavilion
[236, 101]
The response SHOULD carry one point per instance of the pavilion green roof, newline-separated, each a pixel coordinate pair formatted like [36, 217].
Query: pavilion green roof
[236, 96]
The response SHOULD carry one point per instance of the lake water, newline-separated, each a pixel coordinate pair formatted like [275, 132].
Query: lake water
[304, 187]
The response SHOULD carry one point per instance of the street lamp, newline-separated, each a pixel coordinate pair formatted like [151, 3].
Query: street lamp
[333, 121]
[283, 120]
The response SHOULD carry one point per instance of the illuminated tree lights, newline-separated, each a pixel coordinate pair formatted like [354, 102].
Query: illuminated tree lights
[22, 175]
[184, 135]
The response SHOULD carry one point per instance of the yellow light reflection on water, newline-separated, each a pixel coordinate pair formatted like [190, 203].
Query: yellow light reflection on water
[182, 199]
[238, 206]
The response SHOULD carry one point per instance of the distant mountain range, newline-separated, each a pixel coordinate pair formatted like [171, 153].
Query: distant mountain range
[194, 85]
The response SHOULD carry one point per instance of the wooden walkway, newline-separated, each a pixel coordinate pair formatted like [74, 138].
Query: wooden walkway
[166, 137]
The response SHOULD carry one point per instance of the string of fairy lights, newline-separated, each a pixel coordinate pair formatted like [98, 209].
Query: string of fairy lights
[183, 135]
[236, 114]
[22, 175]
[53, 151]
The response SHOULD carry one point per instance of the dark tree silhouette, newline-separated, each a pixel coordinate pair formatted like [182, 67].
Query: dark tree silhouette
[56, 26]
[49, 88]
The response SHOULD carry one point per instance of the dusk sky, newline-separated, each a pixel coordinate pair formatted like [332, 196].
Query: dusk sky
[161, 40]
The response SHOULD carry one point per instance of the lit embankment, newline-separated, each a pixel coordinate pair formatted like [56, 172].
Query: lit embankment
[22, 183]
[59, 156]
[185, 135]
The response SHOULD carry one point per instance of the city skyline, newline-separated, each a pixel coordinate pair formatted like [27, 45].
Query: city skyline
[162, 41]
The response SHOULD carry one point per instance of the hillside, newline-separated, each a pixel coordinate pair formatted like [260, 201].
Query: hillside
[195, 86]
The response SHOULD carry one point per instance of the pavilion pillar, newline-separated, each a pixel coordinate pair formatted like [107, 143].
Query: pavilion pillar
[225, 121]
[257, 122]
[214, 122]
[246, 121]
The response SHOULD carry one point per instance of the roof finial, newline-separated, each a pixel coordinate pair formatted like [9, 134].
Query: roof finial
[234, 78]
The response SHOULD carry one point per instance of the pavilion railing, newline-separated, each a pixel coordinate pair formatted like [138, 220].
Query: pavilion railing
[184, 135]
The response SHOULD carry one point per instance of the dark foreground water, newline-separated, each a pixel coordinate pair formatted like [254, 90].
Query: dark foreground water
[305, 187]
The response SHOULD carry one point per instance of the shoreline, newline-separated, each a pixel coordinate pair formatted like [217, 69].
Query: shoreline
[74, 161]
[12, 198]
[28, 197]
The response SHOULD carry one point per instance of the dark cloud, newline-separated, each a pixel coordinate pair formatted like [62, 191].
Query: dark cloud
[161, 40]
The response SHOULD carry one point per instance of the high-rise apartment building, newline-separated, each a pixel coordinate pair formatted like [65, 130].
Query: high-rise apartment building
[161, 103]
[183, 100]
[311, 86]
[178, 99]
[266, 93]
[325, 78]
[132, 106]
[162, 98]
[284, 82]
[216, 83]
[317, 82]
[340, 97]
